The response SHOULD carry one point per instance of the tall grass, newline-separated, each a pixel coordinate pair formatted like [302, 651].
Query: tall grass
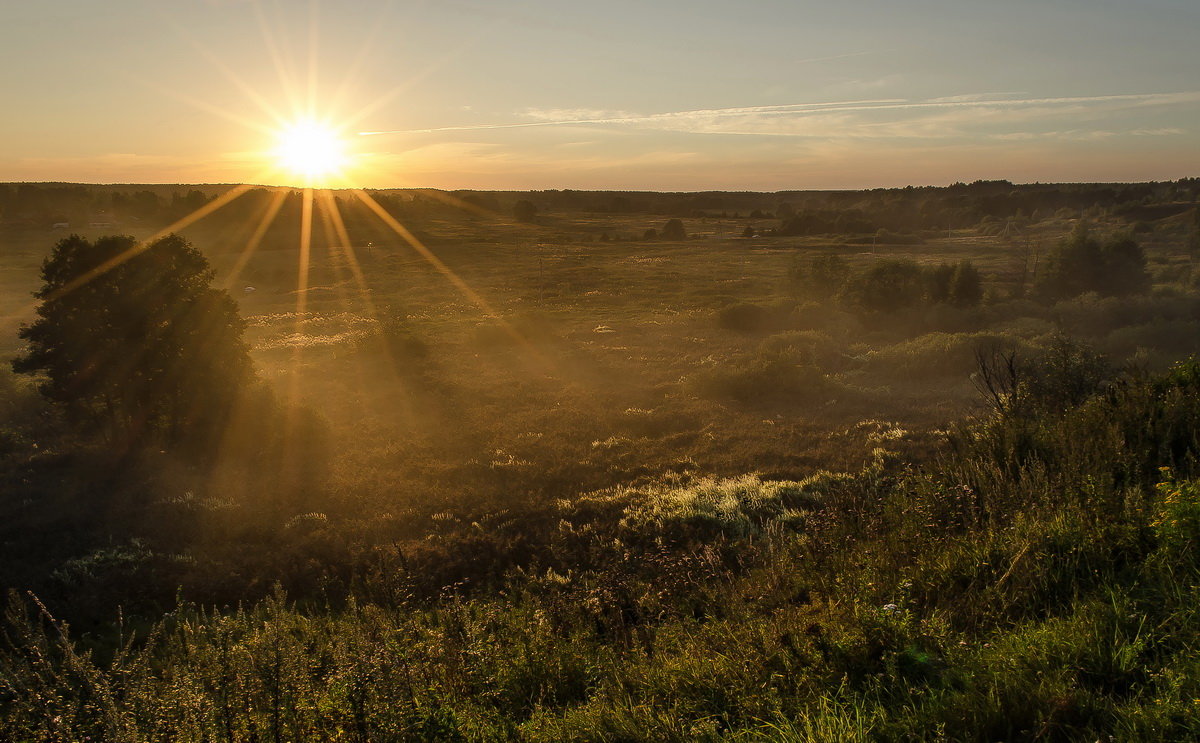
[1039, 583]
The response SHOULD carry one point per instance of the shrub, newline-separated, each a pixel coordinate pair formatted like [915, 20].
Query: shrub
[737, 508]
[802, 346]
[887, 286]
[826, 275]
[747, 317]
[939, 353]
[1081, 263]
[759, 380]
[673, 230]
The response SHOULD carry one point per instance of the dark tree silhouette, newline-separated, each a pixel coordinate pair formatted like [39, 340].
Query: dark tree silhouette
[673, 230]
[132, 340]
[888, 286]
[1081, 263]
[938, 281]
[966, 285]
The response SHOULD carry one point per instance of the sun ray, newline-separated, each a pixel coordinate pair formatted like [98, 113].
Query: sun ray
[306, 213]
[313, 47]
[466, 206]
[200, 105]
[228, 73]
[456, 280]
[332, 241]
[343, 236]
[141, 246]
[366, 49]
[256, 238]
[277, 58]
[426, 70]
[333, 246]
[427, 254]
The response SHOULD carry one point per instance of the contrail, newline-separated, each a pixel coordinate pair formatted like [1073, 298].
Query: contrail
[839, 56]
[885, 104]
[636, 119]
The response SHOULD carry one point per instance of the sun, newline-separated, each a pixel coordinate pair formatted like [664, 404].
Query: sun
[310, 149]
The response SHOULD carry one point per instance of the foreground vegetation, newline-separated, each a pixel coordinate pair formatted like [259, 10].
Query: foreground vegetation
[693, 476]
[1039, 583]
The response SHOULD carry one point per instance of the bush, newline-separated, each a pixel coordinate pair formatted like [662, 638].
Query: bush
[940, 354]
[802, 346]
[1081, 264]
[825, 277]
[673, 230]
[778, 379]
[737, 508]
[887, 286]
[747, 317]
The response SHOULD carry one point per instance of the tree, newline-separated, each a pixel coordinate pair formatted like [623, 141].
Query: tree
[966, 285]
[939, 280]
[888, 286]
[1081, 264]
[524, 211]
[132, 340]
[673, 230]
[826, 276]
[1124, 267]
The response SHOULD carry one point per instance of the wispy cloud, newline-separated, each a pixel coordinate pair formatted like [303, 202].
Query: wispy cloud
[848, 55]
[873, 118]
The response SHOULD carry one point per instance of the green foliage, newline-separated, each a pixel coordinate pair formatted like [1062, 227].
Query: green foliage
[825, 277]
[748, 317]
[134, 340]
[965, 286]
[887, 286]
[737, 508]
[1081, 263]
[940, 354]
[522, 544]
[763, 379]
[969, 602]
[1177, 521]
[673, 230]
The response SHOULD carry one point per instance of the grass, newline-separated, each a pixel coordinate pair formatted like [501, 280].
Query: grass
[660, 494]
[889, 604]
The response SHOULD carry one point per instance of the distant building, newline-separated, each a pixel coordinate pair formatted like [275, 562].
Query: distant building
[61, 226]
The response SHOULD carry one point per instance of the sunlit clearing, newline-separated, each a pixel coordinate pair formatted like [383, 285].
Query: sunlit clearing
[311, 150]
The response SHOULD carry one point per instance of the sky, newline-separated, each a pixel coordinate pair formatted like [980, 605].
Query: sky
[676, 95]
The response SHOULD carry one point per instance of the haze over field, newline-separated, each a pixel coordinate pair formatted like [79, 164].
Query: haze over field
[546, 371]
[667, 95]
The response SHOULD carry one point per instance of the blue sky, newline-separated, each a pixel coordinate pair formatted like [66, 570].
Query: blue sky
[627, 95]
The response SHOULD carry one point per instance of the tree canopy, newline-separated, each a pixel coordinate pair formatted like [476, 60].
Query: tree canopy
[1081, 263]
[134, 340]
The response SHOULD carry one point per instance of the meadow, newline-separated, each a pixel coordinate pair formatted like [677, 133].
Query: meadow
[770, 479]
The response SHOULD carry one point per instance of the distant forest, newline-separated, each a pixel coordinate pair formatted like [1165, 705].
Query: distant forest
[788, 213]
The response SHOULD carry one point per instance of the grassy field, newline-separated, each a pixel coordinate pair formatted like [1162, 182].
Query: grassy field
[566, 487]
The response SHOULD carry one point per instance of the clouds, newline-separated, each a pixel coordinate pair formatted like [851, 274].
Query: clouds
[840, 144]
[1003, 116]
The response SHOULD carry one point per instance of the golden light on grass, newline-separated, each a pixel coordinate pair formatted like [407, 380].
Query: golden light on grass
[311, 150]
